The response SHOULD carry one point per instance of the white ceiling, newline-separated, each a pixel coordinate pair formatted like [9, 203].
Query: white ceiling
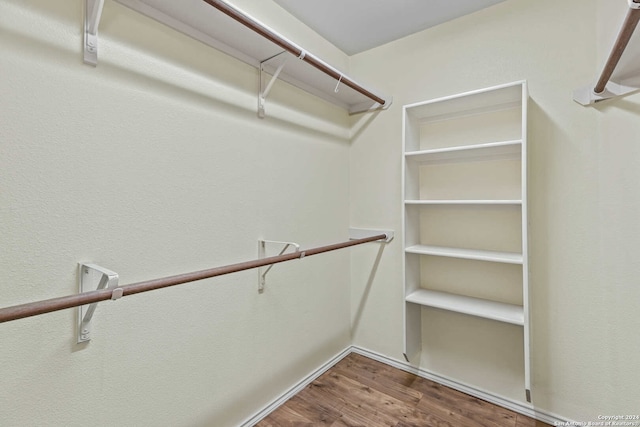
[358, 25]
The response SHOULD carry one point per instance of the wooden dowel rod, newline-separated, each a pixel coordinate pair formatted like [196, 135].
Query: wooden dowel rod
[628, 27]
[47, 306]
[290, 47]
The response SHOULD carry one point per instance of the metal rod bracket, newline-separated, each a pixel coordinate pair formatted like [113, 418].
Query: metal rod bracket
[262, 251]
[92, 277]
[263, 90]
[586, 95]
[608, 85]
[92, 15]
[361, 233]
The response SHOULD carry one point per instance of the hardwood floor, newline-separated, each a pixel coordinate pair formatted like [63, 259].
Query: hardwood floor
[361, 392]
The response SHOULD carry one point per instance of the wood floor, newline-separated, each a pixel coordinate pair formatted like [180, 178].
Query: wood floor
[361, 392]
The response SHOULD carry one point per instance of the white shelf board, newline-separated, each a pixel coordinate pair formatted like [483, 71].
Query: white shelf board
[203, 22]
[469, 103]
[480, 255]
[494, 310]
[488, 151]
[461, 202]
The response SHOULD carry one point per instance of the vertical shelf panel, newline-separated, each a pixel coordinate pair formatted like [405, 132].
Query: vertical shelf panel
[525, 246]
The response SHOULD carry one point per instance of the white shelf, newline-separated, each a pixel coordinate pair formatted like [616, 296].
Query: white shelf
[462, 202]
[468, 103]
[492, 256]
[204, 23]
[499, 311]
[489, 151]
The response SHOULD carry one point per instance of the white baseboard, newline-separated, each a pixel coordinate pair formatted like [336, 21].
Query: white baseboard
[513, 405]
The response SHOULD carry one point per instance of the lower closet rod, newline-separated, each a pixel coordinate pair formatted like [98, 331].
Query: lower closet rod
[47, 306]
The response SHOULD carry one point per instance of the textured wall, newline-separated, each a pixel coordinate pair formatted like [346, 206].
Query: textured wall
[583, 206]
[154, 163]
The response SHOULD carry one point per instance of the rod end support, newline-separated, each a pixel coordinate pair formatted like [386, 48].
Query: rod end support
[361, 233]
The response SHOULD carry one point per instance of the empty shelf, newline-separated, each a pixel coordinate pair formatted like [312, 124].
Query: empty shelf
[489, 151]
[463, 202]
[469, 103]
[505, 257]
[254, 43]
[499, 311]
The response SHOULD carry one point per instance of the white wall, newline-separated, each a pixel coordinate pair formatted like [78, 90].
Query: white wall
[152, 164]
[584, 205]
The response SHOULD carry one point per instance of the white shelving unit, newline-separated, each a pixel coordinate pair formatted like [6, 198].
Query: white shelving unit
[465, 198]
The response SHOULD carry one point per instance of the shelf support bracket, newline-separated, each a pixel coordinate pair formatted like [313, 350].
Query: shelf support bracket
[262, 250]
[92, 277]
[93, 13]
[360, 233]
[263, 91]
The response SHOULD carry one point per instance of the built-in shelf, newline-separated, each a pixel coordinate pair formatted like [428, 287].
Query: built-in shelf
[464, 174]
[479, 255]
[488, 151]
[494, 310]
[462, 202]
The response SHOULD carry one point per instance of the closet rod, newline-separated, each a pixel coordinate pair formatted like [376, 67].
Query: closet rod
[47, 306]
[628, 27]
[290, 47]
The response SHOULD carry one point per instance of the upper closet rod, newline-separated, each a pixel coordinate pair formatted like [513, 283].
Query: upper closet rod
[69, 301]
[630, 24]
[290, 47]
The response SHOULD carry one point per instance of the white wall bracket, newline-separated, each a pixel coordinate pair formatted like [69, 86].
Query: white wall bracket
[621, 77]
[92, 277]
[262, 253]
[263, 91]
[361, 233]
[92, 15]
[586, 95]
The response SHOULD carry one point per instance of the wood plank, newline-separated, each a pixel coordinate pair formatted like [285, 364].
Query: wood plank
[284, 416]
[319, 413]
[360, 402]
[372, 376]
[361, 392]
[462, 409]
[401, 377]
[386, 408]
[522, 421]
